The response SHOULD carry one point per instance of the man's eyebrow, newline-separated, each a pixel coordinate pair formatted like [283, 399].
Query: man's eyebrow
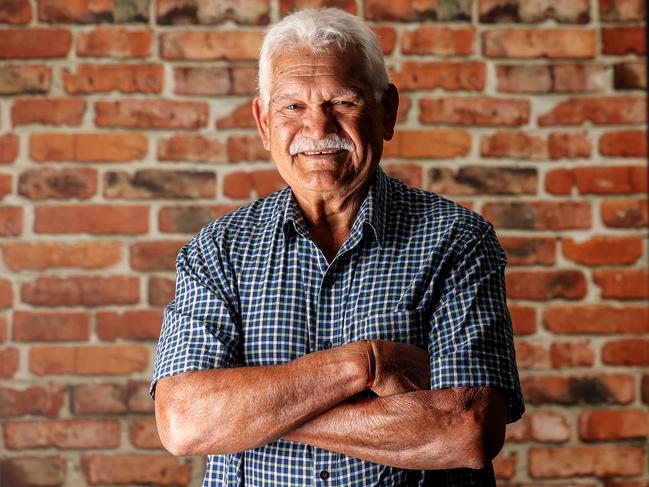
[351, 90]
[284, 96]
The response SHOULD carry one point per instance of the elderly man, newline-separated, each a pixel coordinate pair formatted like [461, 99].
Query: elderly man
[347, 330]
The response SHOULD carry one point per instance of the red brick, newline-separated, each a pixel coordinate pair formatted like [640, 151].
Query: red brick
[215, 81]
[143, 433]
[124, 78]
[93, 219]
[571, 354]
[565, 11]
[623, 283]
[607, 180]
[553, 78]
[6, 294]
[9, 359]
[29, 326]
[34, 43]
[623, 40]
[531, 355]
[286, 6]
[246, 148]
[80, 290]
[135, 469]
[632, 351]
[529, 250]
[45, 183]
[263, 182]
[586, 389]
[87, 147]
[428, 144]
[45, 400]
[597, 250]
[596, 318]
[529, 43]
[62, 433]
[578, 78]
[88, 360]
[630, 75]
[210, 45]
[568, 145]
[239, 118]
[114, 42]
[542, 286]
[539, 215]
[404, 108]
[8, 147]
[622, 10]
[411, 174]
[523, 319]
[599, 461]
[254, 12]
[60, 11]
[468, 76]
[505, 466]
[600, 111]
[470, 180]
[6, 183]
[154, 256]
[137, 324]
[201, 148]
[50, 111]
[438, 40]
[189, 219]
[625, 213]
[627, 483]
[109, 398]
[559, 181]
[515, 145]
[539, 426]
[160, 291]
[624, 143]
[3, 329]
[406, 11]
[16, 79]
[645, 388]
[151, 114]
[613, 425]
[474, 111]
[387, 36]
[38, 471]
[15, 12]
[156, 183]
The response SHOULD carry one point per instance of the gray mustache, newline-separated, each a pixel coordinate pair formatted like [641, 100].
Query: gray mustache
[331, 141]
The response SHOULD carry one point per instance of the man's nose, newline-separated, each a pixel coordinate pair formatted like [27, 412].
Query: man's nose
[319, 122]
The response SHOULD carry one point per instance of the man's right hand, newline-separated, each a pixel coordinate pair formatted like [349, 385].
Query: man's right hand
[400, 368]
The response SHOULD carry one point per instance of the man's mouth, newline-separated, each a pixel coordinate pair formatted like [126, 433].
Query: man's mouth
[326, 152]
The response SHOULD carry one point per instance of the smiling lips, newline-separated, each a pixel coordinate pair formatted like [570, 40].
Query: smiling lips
[322, 152]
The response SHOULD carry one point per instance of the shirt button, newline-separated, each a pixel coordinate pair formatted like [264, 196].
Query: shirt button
[326, 345]
[324, 475]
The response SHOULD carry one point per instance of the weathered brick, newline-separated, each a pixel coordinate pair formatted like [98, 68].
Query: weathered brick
[599, 461]
[80, 290]
[49, 183]
[597, 250]
[3, 329]
[630, 351]
[586, 389]
[88, 360]
[189, 219]
[93, 219]
[468, 76]
[532, 355]
[61, 11]
[596, 318]
[155, 183]
[114, 42]
[240, 117]
[568, 145]
[45, 255]
[411, 174]
[6, 294]
[210, 45]
[143, 433]
[111, 398]
[623, 283]
[442, 41]
[136, 324]
[151, 114]
[215, 81]
[529, 250]
[645, 388]
[603, 424]
[504, 465]
[630, 75]
[34, 43]
[45, 400]
[622, 10]
[286, 6]
[18, 79]
[87, 147]
[135, 469]
[407, 11]
[600, 111]
[168, 12]
[8, 148]
[50, 111]
[386, 35]
[246, 148]
[623, 40]
[539, 215]
[428, 144]
[469, 180]
[241, 184]
[154, 256]
[6, 185]
[542, 286]
[624, 143]
[15, 12]
[9, 359]
[564, 11]
[62, 433]
[515, 145]
[49, 471]
[523, 319]
[625, 213]
[30, 326]
[160, 291]
[529, 43]
[555, 78]
[474, 111]
[543, 426]
[200, 148]
[611, 179]
[559, 181]
[571, 354]
[104, 78]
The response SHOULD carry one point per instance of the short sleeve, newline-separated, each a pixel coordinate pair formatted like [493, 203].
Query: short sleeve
[198, 330]
[471, 338]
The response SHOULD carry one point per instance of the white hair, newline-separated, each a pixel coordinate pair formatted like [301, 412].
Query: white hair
[320, 29]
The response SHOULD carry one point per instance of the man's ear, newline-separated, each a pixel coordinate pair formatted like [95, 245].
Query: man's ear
[260, 113]
[390, 110]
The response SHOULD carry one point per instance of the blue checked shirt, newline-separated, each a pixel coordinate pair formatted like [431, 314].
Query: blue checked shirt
[253, 289]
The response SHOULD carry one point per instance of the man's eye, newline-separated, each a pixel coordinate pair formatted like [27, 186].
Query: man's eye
[343, 103]
[292, 106]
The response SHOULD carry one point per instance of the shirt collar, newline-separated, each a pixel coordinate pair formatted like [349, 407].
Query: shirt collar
[373, 210]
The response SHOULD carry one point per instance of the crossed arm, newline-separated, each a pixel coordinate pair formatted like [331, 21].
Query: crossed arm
[315, 400]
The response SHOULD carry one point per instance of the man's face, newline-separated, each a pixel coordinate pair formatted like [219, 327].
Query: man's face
[318, 97]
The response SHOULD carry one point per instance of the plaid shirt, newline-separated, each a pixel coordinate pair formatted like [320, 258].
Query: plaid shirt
[253, 289]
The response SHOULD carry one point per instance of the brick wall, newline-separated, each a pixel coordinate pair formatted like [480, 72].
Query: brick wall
[125, 126]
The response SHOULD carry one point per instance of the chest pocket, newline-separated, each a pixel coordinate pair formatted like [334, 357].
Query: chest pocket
[399, 326]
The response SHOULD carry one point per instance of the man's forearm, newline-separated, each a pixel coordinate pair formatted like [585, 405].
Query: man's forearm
[229, 410]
